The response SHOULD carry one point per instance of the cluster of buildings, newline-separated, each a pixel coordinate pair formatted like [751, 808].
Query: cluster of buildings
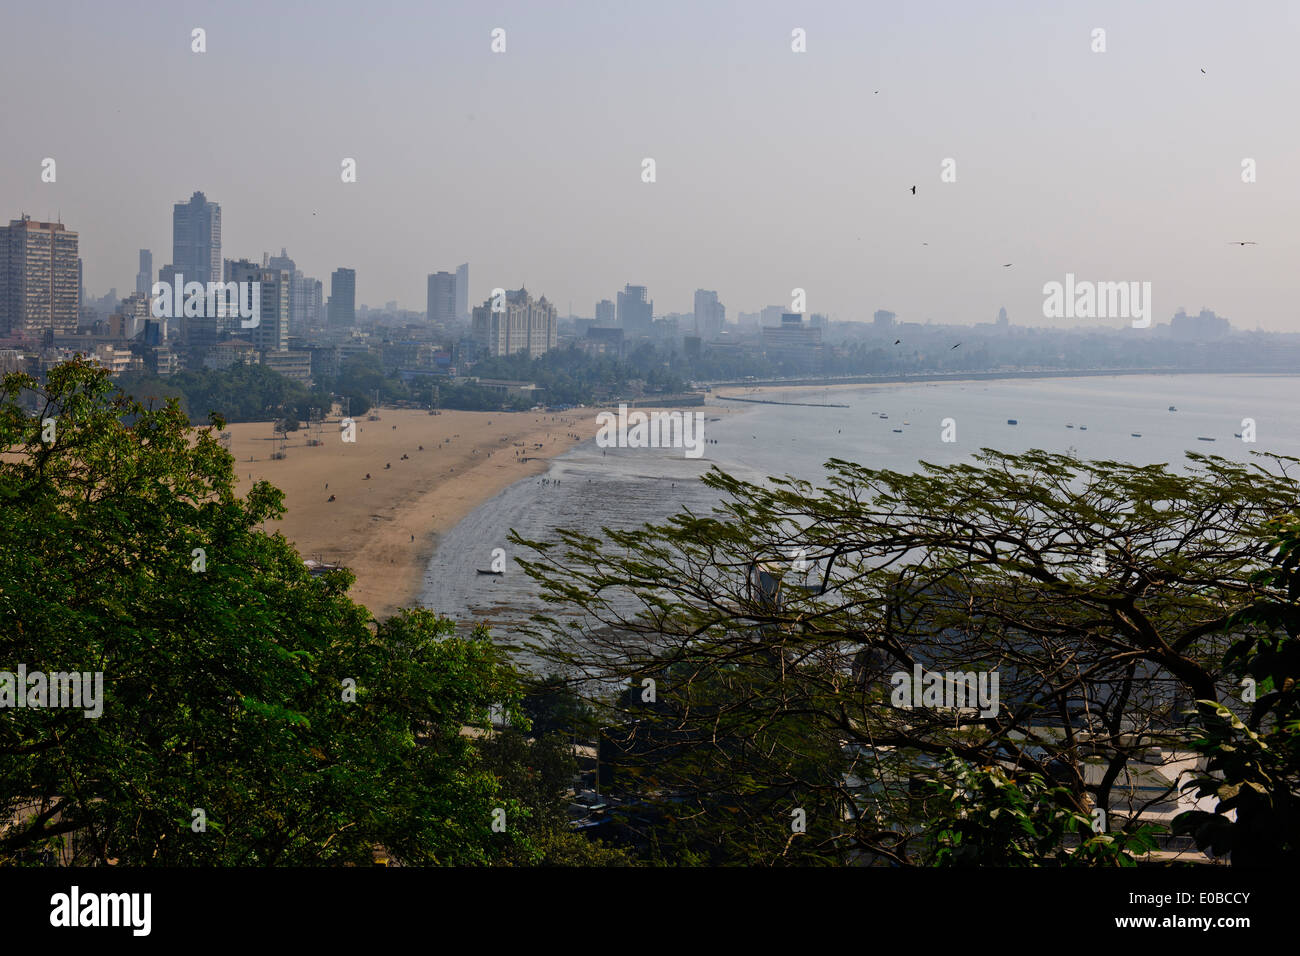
[45, 318]
[620, 325]
[302, 329]
[305, 330]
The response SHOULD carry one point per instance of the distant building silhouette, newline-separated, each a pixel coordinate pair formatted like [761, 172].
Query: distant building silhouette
[343, 298]
[635, 311]
[794, 343]
[710, 315]
[442, 297]
[196, 239]
[462, 292]
[1206, 325]
[144, 278]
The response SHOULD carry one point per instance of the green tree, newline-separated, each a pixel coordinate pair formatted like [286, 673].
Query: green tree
[1100, 593]
[1253, 752]
[987, 816]
[239, 691]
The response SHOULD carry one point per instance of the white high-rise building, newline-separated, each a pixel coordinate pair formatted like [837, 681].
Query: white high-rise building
[524, 325]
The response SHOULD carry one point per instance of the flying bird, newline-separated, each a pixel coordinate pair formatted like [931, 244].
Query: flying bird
[913, 190]
[1234, 242]
[957, 346]
[1202, 69]
[1006, 265]
[896, 341]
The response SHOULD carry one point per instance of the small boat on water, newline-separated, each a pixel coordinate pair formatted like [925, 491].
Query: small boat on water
[1083, 428]
[1069, 425]
[1136, 434]
[883, 416]
[1172, 408]
[1203, 438]
[899, 430]
[493, 573]
[1012, 421]
[1236, 434]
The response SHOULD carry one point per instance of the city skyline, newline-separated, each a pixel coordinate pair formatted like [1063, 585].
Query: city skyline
[763, 182]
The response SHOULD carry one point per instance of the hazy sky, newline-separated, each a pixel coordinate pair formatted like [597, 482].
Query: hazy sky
[775, 169]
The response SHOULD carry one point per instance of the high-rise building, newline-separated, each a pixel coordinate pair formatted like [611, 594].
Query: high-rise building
[524, 325]
[462, 292]
[794, 344]
[144, 278]
[314, 302]
[196, 239]
[282, 261]
[1003, 321]
[343, 297]
[635, 312]
[271, 334]
[883, 320]
[40, 279]
[710, 315]
[606, 316]
[443, 293]
[301, 315]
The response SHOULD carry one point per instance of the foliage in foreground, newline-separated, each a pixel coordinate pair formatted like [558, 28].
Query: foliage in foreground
[1253, 760]
[251, 713]
[781, 626]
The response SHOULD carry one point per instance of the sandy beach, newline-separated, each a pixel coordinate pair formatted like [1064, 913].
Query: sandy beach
[385, 527]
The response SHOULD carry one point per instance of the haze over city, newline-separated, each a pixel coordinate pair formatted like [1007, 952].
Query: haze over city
[774, 169]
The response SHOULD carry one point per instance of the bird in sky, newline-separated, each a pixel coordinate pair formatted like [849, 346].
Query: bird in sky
[1006, 265]
[1234, 242]
[957, 346]
[925, 243]
[1202, 69]
[913, 190]
[896, 341]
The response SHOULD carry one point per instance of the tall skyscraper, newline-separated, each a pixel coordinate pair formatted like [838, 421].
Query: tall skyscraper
[524, 325]
[40, 279]
[444, 292]
[462, 292]
[196, 239]
[271, 334]
[606, 317]
[144, 278]
[343, 297]
[710, 314]
[635, 313]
